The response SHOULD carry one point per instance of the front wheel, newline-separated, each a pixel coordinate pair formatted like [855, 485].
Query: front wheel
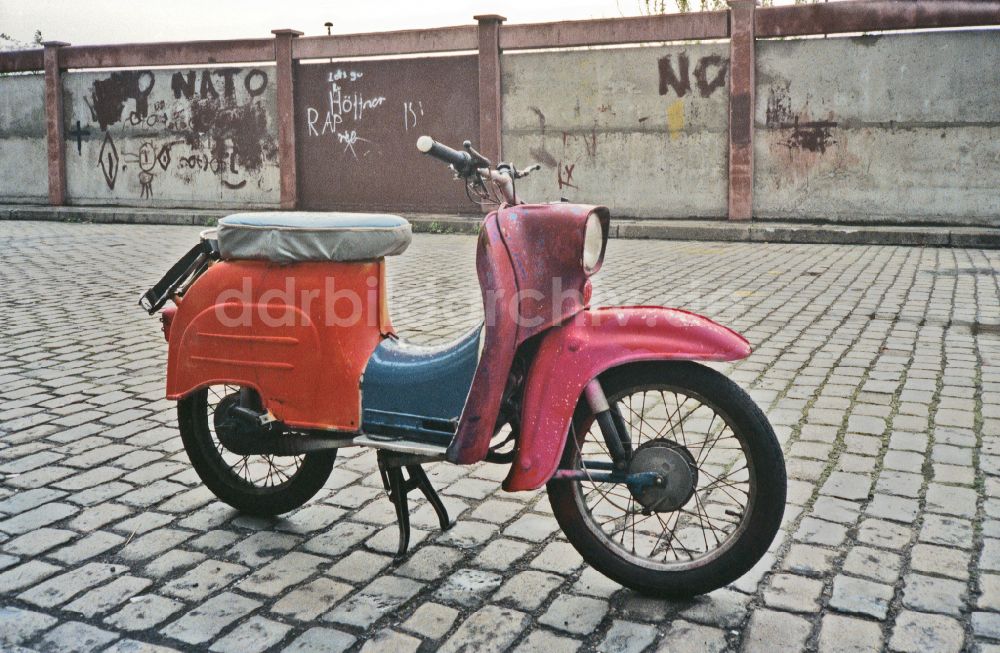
[724, 495]
[263, 485]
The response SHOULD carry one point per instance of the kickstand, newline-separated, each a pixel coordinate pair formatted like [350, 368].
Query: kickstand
[391, 466]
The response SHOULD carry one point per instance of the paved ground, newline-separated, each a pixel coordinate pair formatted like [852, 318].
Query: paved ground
[879, 367]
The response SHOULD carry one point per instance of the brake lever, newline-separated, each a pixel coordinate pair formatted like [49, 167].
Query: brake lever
[527, 171]
[482, 161]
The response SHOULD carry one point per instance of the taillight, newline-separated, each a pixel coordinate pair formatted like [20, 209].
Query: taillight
[167, 318]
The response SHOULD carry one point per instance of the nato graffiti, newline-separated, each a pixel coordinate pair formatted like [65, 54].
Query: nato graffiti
[207, 126]
[183, 84]
[709, 74]
[109, 96]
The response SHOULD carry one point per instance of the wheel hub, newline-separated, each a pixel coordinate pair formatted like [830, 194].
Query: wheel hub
[235, 434]
[677, 471]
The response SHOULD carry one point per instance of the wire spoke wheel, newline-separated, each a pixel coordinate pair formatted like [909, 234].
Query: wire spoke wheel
[256, 484]
[722, 493]
[720, 487]
[258, 471]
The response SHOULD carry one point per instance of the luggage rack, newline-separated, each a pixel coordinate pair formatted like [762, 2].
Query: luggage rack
[182, 273]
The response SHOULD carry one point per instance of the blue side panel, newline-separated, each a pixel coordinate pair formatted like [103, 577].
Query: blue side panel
[418, 391]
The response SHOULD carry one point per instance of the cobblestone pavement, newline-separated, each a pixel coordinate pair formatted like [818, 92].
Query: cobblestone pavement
[879, 367]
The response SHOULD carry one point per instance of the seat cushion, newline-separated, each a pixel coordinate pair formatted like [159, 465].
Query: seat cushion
[288, 237]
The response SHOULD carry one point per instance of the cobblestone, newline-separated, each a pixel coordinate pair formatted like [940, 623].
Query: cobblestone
[839, 634]
[877, 365]
[916, 632]
[204, 622]
[61, 588]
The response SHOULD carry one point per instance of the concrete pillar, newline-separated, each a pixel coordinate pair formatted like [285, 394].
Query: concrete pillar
[742, 63]
[286, 115]
[489, 86]
[54, 123]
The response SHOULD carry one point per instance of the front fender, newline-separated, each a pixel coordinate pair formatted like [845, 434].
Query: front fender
[597, 340]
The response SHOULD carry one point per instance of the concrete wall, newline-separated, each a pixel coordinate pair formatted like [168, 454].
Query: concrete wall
[890, 128]
[643, 130]
[187, 137]
[895, 128]
[23, 151]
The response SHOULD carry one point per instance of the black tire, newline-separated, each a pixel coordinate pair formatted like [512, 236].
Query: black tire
[758, 522]
[311, 471]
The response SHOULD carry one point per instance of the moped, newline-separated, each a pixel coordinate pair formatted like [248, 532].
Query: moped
[661, 472]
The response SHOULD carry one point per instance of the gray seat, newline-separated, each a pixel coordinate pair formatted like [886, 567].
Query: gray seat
[289, 237]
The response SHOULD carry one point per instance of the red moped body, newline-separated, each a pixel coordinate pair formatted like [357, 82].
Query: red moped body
[269, 326]
[595, 341]
[525, 252]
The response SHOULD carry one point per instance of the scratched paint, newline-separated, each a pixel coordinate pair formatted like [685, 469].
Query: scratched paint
[604, 338]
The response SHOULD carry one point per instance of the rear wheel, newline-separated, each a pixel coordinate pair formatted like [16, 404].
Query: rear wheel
[724, 495]
[263, 485]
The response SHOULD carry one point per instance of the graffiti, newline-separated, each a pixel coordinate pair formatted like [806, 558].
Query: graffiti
[410, 114]
[79, 134]
[183, 84]
[146, 183]
[180, 124]
[242, 127]
[343, 106]
[147, 160]
[149, 157]
[354, 104]
[109, 95]
[341, 74]
[163, 157]
[779, 108]
[564, 175]
[230, 138]
[810, 135]
[108, 160]
[813, 135]
[349, 140]
[709, 74]
[541, 153]
[589, 141]
[206, 163]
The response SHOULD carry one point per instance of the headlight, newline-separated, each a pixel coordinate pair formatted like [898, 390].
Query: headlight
[593, 244]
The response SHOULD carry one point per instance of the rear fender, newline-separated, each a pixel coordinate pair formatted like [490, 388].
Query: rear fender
[300, 335]
[597, 340]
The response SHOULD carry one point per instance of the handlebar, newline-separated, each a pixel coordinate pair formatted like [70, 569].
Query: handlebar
[477, 171]
[461, 161]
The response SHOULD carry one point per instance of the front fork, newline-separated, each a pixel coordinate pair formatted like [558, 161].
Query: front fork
[619, 442]
[613, 427]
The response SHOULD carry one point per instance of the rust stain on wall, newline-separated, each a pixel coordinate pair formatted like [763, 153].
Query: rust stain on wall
[802, 143]
[805, 134]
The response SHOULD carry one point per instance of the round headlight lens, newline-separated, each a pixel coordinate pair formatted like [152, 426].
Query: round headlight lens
[593, 243]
